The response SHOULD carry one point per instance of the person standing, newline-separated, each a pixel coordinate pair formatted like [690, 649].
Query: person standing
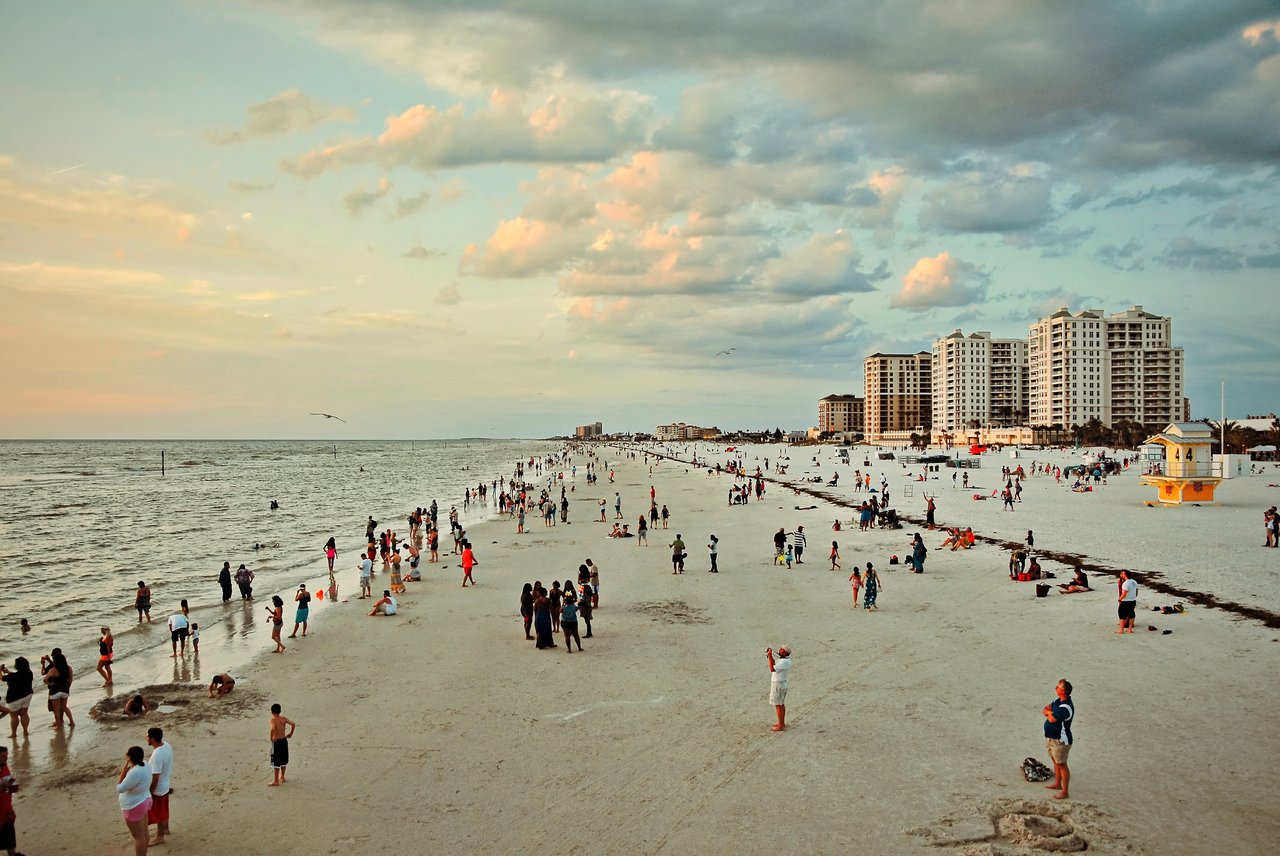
[798, 540]
[713, 547]
[930, 507]
[330, 552]
[779, 672]
[161, 764]
[918, 553]
[244, 579]
[224, 580]
[779, 544]
[544, 635]
[469, 561]
[617, 503]
[19, 690]
[569, 623]
[855, 580]
[1128, 602]
[58, 676]
[677, 555]
[303, 598]
[134, 790]
[8, 787]
[106, 650]
[526, 609]
[666, 516]
[1058, 716]
[179, 630]
[279, 744]
[276, 611]
[142, 601]
[366, 577]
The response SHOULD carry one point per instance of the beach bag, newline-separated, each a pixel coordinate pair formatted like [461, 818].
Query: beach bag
[1035, 771]
[1024, 577]
[1042, 589]
[893, 560]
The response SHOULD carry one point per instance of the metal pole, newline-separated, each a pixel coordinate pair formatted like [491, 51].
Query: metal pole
[162, 464]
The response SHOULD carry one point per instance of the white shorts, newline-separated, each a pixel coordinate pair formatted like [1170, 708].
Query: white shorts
[777, 695]
[19, 704]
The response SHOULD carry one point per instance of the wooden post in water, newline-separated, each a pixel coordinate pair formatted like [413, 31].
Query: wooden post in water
[335, 452]
[162, 464]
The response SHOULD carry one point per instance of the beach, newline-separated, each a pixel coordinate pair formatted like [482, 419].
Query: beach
[441, 730]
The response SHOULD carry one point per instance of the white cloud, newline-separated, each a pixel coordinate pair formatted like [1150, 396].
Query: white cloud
[940, 281]
[358, 200]
[285, 112]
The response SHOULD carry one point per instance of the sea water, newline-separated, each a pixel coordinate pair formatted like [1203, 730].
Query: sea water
[81, 522]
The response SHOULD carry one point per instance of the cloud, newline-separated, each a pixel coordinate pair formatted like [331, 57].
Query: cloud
[358, 200]
[1053, 242]
[1188, 252]
[69, 276]
[827, 264]
[984, 202]
[1200, 189]
[560, 129]
[283, 113]
[1124, 258]
[449, 296]
[940, 281]
[408, 205]
[418, 251]
[250, 186]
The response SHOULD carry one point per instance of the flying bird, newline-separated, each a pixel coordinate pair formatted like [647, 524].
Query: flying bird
[329, 416]
[728, 353]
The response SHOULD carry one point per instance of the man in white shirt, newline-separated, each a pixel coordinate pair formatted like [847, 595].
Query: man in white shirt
[1128, 606]
[780, 670]
[386, 606]
[366, 577]
[161, 765]
[179, 630]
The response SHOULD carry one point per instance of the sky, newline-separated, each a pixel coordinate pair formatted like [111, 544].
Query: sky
[488, 218]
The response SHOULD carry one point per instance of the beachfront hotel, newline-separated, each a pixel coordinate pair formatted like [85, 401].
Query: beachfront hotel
[899, 396]
[587, 432]
[838, 414]
[681, 431]
[1121, 367]
[978, 382]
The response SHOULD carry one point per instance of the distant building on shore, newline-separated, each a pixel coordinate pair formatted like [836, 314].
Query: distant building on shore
[899, 396]
[588, 432]
[978, 382]
[841, 413]
[1113, 368]
[681, 431]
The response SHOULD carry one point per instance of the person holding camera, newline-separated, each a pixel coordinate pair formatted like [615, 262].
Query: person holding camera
[57, 676]
[779, 671]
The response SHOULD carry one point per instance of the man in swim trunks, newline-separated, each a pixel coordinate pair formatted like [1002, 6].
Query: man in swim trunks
[1058, 715]
[279, 744]
[1128, 602]
[142, 601]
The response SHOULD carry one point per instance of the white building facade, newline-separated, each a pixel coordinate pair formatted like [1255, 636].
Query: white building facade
[978, 382]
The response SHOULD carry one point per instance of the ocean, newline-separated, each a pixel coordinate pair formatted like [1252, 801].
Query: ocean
[84, 521]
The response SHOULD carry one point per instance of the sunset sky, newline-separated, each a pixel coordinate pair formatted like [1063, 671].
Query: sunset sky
[487, 218]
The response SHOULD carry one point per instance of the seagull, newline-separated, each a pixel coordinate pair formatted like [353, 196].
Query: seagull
[329, 416]
[727, 353]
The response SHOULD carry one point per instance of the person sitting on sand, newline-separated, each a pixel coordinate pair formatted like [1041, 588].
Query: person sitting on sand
[625, 533]
[1078, 583]
[135, 706]
[953, 538]
[221, 685]
[616, 532]
[386, 606]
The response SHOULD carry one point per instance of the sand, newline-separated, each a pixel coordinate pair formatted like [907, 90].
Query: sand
[442, 730]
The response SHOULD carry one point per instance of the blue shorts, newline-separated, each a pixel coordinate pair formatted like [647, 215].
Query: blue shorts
[302, 615]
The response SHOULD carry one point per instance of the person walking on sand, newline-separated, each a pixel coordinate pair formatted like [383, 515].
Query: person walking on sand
[303, 598]
[713, 547]
[1058, 717]
[666, 516]
[642, 532]
[224, 580]
[161, 764]
[870, 589]
[617, 504]
[279, 744]
[142, 601]
[779, 672]
[835, 556]
[1128, 602]
[276, 611]
[677, 555]
[106, 651]
[133, 788]
[855, 580]
[244, 580]
[330, 552]
[798, 541]
[469, 561]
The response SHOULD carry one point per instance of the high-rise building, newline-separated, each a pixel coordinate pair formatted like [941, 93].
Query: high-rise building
[899, 395]
[1111, 368]
[978, 381]
[586, 432]
[840, 413]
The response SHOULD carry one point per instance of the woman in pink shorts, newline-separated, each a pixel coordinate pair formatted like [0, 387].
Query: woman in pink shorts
[134, 790]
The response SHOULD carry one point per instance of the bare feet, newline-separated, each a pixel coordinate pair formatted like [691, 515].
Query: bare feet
[1061, 796]
[1055, 786]
[779, 728]
[274, 785]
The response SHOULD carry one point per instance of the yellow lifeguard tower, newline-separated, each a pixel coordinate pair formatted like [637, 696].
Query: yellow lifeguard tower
[1188, 472]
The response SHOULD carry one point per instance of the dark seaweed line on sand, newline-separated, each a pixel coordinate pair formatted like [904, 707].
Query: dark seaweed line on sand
[1153, 580]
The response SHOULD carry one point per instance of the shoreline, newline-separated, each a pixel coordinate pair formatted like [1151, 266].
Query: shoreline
[905, 726]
